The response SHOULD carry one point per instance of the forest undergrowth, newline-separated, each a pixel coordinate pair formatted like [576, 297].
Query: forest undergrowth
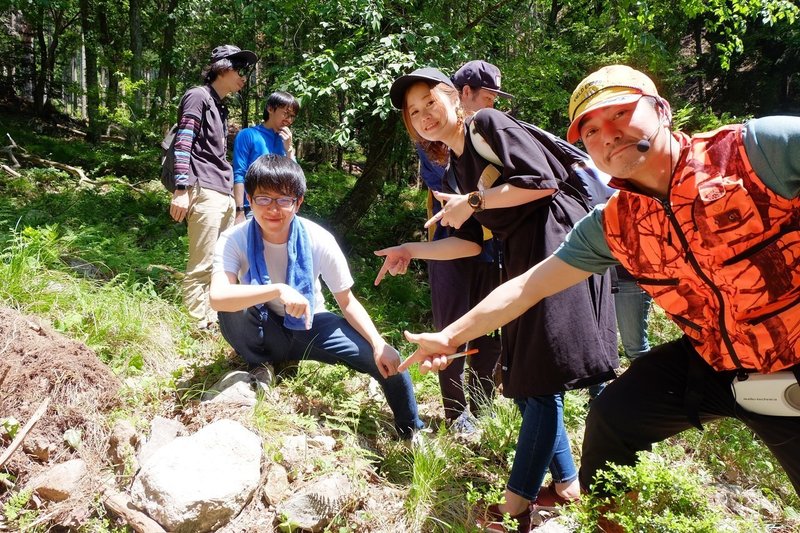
[102, 262]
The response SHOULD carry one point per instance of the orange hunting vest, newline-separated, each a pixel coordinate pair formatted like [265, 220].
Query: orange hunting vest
[721, 255]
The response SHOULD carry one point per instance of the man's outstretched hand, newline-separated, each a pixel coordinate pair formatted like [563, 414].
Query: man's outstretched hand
[431, 353]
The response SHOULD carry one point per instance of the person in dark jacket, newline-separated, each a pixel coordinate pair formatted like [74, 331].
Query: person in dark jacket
[569, 341]
[203, 176]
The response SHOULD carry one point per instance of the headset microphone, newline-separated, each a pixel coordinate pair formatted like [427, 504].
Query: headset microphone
[644, 145]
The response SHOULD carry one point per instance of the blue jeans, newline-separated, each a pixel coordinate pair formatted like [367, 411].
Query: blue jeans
[542, 443]
[331, 340]
[632, 305]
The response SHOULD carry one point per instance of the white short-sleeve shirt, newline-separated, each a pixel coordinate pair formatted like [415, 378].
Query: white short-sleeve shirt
[230, 255]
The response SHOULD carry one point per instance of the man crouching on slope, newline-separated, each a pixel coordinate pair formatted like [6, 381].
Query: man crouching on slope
[265, 286]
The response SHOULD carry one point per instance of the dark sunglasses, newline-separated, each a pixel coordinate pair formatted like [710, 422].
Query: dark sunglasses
[243, 71]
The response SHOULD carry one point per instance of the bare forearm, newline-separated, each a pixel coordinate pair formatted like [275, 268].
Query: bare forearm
[443, 249]
[510, 196]
[238, 194]
[237, 297]
[511, 299]
[357, 316]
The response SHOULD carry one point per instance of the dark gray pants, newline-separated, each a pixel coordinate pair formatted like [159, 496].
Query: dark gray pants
[647, 405]
[456, 286]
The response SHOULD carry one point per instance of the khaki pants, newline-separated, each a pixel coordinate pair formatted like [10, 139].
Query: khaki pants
[210, 213]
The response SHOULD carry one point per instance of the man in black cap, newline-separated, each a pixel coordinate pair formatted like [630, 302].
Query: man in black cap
[203, 176]
[478, 84]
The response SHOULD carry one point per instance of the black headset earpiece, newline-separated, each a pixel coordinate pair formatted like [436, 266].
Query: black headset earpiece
[644, 145]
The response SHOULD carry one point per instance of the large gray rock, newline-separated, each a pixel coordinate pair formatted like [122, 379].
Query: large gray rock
[312, 507]
[59, 482]
[162, 432]
[197, 483]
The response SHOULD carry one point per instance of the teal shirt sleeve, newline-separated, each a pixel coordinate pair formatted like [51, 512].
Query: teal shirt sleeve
[585, 246]
[773, 147]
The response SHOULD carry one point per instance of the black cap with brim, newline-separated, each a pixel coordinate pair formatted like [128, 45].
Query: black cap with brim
[498, 92]
[398, 91]
[234, 54]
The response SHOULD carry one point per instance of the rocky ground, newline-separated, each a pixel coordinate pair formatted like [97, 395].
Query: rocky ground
[77, 451]
[203, 468]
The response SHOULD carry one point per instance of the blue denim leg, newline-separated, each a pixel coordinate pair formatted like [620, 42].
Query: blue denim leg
[543, 443]
[632, 305]
[246, 332]
[332, 340]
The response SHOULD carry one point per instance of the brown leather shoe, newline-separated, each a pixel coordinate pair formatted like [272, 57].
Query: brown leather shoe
[492, 520]
[550, 500]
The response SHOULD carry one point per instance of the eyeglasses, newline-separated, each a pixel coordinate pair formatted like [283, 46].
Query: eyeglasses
[243, 72]
[283, 201]
[287, 114]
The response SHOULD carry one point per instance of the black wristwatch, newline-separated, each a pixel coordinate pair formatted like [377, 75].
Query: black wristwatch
[240, 209]
[475, 201]
[181, 187]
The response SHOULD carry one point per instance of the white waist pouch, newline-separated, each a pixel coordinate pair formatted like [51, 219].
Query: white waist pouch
[776, 394]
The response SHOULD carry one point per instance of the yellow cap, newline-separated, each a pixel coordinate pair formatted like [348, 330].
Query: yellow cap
[611, 85]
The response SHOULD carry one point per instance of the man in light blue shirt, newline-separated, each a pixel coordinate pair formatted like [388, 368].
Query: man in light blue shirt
[272, 136]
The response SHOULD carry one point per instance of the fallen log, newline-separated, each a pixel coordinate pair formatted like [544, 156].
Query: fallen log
[75, 171]
[118, 504]
[24, 432]
[11, 171]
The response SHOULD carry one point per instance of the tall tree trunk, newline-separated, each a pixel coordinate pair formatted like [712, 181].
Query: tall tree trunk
[92, 86]
[379, 145]
[41, 74]
[697, 34]
[135, 28]
[552, 18]
[166, 66]
[110, 51]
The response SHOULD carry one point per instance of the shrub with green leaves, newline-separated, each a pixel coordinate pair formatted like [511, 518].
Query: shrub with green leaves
[655, 495]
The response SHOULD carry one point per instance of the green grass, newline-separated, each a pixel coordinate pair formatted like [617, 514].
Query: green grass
[124, 303]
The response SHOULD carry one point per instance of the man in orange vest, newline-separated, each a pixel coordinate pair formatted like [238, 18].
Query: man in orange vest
[709, 225]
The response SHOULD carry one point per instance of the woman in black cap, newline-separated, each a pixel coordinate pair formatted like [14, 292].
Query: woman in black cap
[569, 340]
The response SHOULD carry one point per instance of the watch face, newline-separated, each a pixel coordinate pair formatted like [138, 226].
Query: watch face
[474, 199]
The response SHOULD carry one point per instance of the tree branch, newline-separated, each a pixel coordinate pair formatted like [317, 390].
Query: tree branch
[486, 12]
[24, 431]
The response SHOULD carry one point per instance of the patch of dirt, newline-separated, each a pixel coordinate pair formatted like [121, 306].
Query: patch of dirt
[37, 362]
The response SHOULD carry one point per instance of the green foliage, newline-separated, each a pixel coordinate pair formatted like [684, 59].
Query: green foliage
[342, 397]
[691, 119]
[653, 496]
[435, 496]
[9, 426]
[17, 514]
[730, 450]
[500, 425]
[123, 322]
